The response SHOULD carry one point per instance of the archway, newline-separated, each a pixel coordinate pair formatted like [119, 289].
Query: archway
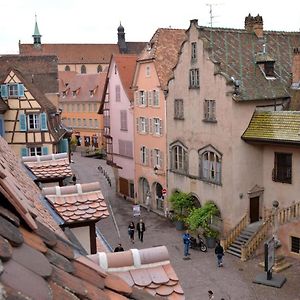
[144, 189]
[159, 199]
[195, 200]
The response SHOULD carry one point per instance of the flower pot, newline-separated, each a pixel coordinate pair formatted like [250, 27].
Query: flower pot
[179, 225]
[210, 242]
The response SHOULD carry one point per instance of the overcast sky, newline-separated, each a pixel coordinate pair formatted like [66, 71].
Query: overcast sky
[96, 21]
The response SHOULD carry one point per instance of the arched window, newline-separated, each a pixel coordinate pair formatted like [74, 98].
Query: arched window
[67, 68]
[179, 158]
[83, 69]
[210, 165]
[99, 69]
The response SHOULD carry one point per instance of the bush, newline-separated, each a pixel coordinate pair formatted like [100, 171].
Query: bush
[201, 218]
[182, 204]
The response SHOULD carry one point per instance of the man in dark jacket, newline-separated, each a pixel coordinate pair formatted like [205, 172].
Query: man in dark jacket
[140, 227]
[119, 248]
[219, 251]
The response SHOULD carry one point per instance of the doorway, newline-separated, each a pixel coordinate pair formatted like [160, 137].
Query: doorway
[254, 209]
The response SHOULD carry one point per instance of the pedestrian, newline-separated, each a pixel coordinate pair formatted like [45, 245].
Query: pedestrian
[131, 228]
[119, 248]
[210, 295]
[219, 251]
[74, 179]
[148, 201]
[186, 243]
[140, 227]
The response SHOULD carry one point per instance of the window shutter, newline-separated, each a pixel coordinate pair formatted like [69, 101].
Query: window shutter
[218, 178]
[149, 98]
[136, 98]
[146, 156]
[137, 125]
[146, 98]
[161, 159]
[151, 125]
[152, 162]
[24, 152]
[63, 146]
[43, 119]
[4, 91]
[22, 122]
[45, 151]
[1, 126]
[20, 90]
[146, 125]
[205, 109]
[161, 127]
[141, 155]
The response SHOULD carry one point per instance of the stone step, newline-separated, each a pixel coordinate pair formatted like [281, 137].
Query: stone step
[237, 245]
[232, 252]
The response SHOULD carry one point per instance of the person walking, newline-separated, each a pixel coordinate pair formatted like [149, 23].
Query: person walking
[186, 243]
[219, 251]
[140, 227]
[210, 295]
[131, 229]
[119, 248]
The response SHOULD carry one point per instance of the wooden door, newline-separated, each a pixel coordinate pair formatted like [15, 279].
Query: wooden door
[254, 209]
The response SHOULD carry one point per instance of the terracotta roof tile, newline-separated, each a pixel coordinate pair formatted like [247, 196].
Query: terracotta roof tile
[60, 261]
[5, 249]
[63, 248]
[117, 284]
[83, 202]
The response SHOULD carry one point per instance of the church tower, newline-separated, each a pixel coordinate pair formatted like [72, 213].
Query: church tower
[121, 39]
[36, 35]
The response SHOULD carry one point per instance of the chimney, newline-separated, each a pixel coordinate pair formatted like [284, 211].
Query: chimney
[296, 65]
[254, 24]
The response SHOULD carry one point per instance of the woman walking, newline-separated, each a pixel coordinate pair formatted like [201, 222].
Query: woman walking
[131, 228]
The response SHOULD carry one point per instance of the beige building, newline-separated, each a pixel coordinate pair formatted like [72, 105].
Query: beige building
[222, 77]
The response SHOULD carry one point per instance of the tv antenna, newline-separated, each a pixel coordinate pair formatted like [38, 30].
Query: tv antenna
[211, 15]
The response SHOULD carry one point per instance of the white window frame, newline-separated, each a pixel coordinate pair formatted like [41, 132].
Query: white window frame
[142, 98]
[144, 155]
[155, 100]
[179, 158]
[156, 126]
[33, 151]
[157, 158]
[143, 125]
[33, 121]
[13, 90]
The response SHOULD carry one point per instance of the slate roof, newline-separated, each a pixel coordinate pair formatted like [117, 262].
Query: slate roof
[148, 269]
[37, 261]
[78, 203]
[234, 52]
[80, 53]
[274, 127]
[164, 49]
[42, 70]
[48, 167]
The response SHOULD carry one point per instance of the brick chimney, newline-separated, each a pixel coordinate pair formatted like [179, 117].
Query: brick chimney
[296, 66]
[255, 24]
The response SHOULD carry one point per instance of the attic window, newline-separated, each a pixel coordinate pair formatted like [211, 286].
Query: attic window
[269, 69]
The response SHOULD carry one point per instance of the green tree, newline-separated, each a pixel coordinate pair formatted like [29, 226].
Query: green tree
[181, 203]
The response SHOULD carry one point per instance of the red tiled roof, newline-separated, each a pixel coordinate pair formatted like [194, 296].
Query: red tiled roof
[79, 203]
[55, 166]
[35, 262]
[147, 269]
[126, 67]
[164, 49]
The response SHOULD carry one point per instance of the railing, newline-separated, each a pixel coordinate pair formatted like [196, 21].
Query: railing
[251, 245]
[282, 216]
[235, 232]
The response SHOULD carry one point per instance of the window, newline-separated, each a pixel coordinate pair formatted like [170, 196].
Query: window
[194, 51]
[90, 123]
[194, 78]
[157, 126]
[210, 110]
[33, 121]
[96, 123]
[67, 68]
[125, 148]
[83, 69]
[179, 158]
[178, 109]
[123, 117]
[74, 93]
[210, 165]
[33, 151]
[295, 244]
[95, 107]
[269, 69]
[13, 90]
[155, 98]
[142, 98]
[144, 155]
[142, 125]
[84, 122]
[147, 71]
[83, 107]
[78, 107]
[157, 158]
[282, 171]
[74, 122]
[90, 107]
[118, 96]
[79, 122]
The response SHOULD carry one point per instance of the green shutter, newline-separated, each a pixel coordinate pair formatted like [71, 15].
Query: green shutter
[20, 90]
[63, 146]
[24, 152]
[22, 121]
[43, 119]
[44, 150]
[4, 91]
[1, 126]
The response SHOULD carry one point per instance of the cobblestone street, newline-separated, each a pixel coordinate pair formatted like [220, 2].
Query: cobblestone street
[197, 275]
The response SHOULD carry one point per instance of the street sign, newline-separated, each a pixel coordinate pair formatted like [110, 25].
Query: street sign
[164, 192]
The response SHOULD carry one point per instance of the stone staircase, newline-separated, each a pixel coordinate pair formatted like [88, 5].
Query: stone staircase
[245, 235]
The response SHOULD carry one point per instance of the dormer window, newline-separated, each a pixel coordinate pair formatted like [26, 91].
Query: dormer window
[269, 68]
[266, 65]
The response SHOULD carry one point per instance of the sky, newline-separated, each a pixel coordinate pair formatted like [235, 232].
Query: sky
[96, 21]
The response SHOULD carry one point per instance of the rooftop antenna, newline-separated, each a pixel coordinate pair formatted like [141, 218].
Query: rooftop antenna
[211, 16]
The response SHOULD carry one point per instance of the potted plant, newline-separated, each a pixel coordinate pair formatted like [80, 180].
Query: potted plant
[181, 204]
[200, 218]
